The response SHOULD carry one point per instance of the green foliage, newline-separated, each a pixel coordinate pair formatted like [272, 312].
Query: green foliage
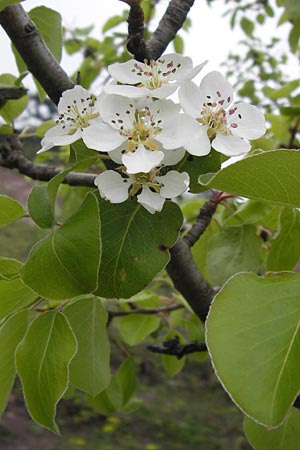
[14, 296]
[134, 328]
[287, 436]
[66, 263]
[10, 210]
[269, 176]
[5, 3]
[253, 339]
[11, 109]
[135, 245]
[9, 268]
[89, 369]
[44, 368]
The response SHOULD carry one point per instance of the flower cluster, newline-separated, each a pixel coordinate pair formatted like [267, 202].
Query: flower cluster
[145, 133]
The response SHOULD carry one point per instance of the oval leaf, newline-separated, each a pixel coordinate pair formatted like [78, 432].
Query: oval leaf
[90, 368]
[10, 210]
[11, 333]
[135, 245]
[136, 327]
[43, 359]
[253, 337]
[66, 263]
[271, 176]
[285, 437]
[14, 295]
[9, 267]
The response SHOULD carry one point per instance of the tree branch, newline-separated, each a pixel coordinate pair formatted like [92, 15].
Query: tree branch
[169, 25]
[33, 50]
[13, 158]
[174, 348]
[203, 220]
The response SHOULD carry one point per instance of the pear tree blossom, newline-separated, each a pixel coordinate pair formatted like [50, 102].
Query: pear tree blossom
[139, 132]
[151, 189]
[228, 126]
[157, 79]
[78, 115]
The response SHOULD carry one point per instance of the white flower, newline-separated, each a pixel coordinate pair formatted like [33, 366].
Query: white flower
[157, 79]
[140, 131]
[79, 118]
[229, 126]
[151, 188]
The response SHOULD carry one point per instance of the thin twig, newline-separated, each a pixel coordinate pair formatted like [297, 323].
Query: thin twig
[174, 348]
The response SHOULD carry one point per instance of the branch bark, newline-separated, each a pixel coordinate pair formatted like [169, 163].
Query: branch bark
[169, 25]
[33, 50]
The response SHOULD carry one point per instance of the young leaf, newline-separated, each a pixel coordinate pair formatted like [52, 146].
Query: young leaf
[134, 328]
[135, 245]
[9, 268]
[252, 333]
[14, 295]
[285, 249]
[271, 176]
[43, 359]
[285, 437]
[11, 333]
[10, 210]
[66, 263]
[90, 368]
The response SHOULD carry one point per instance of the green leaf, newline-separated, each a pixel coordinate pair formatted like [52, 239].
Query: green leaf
[285, 249]
[5, 3]
[119, 396]
[135, 245]
[293, 111]
[14, 295]
[294, 37]
[11, 109]
[11, 333]
[90, 369]
[65, 264]
[292, 9]
[113, 22]
[9, 267]
[10, 210]
[282, 92]
[178, 44]
[271, 176]
[42, 360]
[254, 342]
[247, 26]
[232, 250]
[39, 207]
[250, 212]
[196, 166]
[285, 437]
[134, 328]
[171, 363]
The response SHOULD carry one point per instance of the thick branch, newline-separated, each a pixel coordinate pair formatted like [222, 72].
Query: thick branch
[167, 29]
[35, 53]
[203, 220]
[188, 280]
[13, 158]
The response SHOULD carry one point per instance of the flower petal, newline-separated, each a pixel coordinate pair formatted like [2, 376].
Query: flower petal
[173, 156]
[137, 92]
[142, 160]
[102, 137]
[190, 99]
[58, 136]
[215, 88]
[230, 145]
[183, 130]
[190, 75]
[247, 121]
[173, 184]
[112, 186]
[70, 95]
[151, 201]
[125, 72]
[175, 66]
[199, 143]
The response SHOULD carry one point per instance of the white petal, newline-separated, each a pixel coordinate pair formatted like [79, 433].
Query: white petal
[102, 137]
[215, 88]
[177, 133]
[177, 64]
[116, 155]
[142, 160]
[173, 156]
[190, 99]
[190, 75]
[173, 184]
[68, 97]
[199, 143]
[151, 201]
[112, 186]
[248, 121]
[124, 72]
[230, 145]
[137, 92]
[58, 136]
[164, 110]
